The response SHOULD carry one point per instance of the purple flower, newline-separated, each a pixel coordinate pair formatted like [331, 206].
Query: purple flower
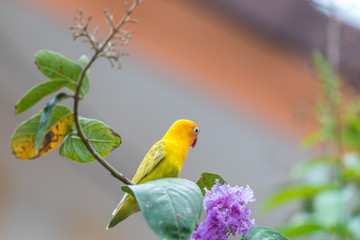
[225, 212]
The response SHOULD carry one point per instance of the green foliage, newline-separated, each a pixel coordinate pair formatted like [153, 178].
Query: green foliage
[58, 67]
[47, 129]
[352, 167]
[59, 123]
[60, 70]
[354, 228]
[327, 186]
[312, 139]
[330, 205]
[207, 180]
[329, 80]
[292, 193]
[305, 169]
[38, 92]
[171, 206]
[100, 135]
[55, 122]
[263, 233]
[307, 227]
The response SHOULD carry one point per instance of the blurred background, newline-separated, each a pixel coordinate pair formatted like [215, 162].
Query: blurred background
[242, 70]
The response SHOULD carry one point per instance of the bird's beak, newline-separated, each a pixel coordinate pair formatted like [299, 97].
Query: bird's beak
[194, 142]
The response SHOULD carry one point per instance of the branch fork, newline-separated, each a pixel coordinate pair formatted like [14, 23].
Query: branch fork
[105, 49]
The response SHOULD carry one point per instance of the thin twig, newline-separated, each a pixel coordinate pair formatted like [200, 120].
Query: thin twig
[99, 50]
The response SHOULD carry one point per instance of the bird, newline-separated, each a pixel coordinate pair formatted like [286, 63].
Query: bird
[164, 159]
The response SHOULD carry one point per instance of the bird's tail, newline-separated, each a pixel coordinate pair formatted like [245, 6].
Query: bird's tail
[125, 208]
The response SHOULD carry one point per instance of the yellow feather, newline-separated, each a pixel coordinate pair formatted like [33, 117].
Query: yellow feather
[164, 159]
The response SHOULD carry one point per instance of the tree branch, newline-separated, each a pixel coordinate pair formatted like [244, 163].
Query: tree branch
[99, 50]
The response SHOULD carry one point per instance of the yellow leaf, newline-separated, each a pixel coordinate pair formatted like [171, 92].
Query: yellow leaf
[24, 138]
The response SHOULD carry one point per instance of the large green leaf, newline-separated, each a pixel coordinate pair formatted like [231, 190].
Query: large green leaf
[207, 180]
[36, 93]
[100, 135]
[60, 123]
[171, 206]
[45, 118]
[263, 233]
[58, 67]
[292, 193]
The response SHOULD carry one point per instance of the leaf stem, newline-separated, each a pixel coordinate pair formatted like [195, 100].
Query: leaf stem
[115, 29]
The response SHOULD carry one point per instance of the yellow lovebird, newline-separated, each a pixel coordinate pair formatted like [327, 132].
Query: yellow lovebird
[164, 159]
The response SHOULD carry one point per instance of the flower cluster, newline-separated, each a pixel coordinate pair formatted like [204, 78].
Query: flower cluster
[225, 212]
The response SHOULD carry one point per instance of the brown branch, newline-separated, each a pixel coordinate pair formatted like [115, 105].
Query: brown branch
[99, 49]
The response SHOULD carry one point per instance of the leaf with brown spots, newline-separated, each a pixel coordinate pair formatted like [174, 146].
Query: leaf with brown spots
[100, 135]
[59, 125]
[45, 118]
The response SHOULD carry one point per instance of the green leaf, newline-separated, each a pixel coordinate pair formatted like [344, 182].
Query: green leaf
[36, 93]
[58, 67]
[352, 165]
[354, 226]
[292, 193]
[351, 135]
[330, 81]
[263, 233]
[312, 139]
[294, 230]
[307, 167]
[171, 206]
[207, 180]
[45, 117]
[330, 205]
[100, 135]
[59, 124]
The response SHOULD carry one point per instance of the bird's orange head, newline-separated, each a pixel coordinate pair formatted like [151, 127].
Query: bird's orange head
[183, 130]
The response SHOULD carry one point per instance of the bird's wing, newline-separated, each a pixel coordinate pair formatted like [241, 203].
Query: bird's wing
[151, 159]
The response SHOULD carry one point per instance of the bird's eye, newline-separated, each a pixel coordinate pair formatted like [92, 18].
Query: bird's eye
[196, 131]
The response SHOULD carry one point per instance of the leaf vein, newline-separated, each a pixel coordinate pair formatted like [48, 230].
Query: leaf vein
[58, 73]
[173, 208]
